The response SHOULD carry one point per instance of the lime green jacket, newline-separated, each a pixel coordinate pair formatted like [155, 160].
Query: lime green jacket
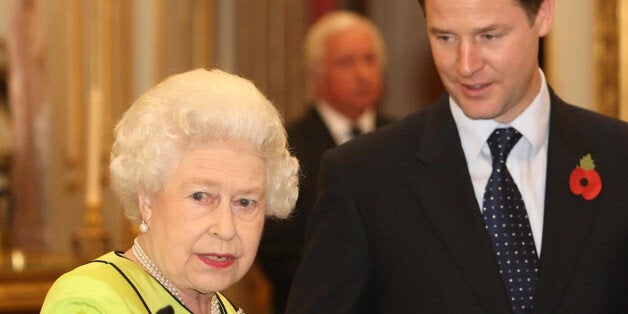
[114, 284]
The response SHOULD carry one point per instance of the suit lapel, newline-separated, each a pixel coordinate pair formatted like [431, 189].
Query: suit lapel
[568, 217]
[317, 131]
[440, 179]
[381, 121]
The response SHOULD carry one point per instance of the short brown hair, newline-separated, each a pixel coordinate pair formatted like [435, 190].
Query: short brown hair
[531, 7]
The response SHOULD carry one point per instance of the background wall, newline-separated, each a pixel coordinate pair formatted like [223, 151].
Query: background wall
[569, 51]
[261, 42]
[411, 78]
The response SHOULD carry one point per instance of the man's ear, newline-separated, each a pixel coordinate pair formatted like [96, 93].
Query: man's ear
[545, 17]
[146, 207]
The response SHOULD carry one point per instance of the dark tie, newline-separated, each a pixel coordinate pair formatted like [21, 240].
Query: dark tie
[508, 225]
[355, 131]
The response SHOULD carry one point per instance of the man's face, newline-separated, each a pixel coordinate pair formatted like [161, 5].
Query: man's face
[351, 76]
[486, 54]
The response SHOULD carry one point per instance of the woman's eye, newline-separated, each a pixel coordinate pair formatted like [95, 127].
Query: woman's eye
[243, 202]
[199, 196]
[246, 206]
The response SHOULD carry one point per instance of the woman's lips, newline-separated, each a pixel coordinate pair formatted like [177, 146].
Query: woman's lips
[217, 260]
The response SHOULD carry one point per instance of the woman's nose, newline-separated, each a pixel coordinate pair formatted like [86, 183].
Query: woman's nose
[222, 222]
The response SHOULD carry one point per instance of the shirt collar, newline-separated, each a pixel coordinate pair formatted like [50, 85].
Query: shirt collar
[339, 125]
[532, 123]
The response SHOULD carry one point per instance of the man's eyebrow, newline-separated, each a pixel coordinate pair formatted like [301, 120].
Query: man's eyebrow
[489, 28]
[436, 30]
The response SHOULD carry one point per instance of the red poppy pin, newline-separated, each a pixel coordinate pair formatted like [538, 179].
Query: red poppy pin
[584, 180]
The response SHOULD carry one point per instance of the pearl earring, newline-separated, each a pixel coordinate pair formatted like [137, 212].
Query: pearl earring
[143, 227]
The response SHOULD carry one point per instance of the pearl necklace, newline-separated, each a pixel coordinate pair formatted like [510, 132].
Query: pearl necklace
[156, 273]
[153, 270]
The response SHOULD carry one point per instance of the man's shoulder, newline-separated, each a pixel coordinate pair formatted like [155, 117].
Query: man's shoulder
[415, 123]
[400, 136]
[307, 122]
[587, 121]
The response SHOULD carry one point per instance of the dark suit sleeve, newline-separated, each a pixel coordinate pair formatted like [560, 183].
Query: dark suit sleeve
[335, 283]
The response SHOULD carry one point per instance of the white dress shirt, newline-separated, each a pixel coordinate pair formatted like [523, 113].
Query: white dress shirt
[340, 126]
[527, 162]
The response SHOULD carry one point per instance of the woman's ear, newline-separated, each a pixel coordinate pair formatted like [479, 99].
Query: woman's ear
[146, 208]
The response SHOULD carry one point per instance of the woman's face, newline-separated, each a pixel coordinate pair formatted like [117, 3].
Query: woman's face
[206, 222]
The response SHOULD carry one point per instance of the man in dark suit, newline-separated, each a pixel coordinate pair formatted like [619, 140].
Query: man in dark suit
[499, 198]
[344, 55]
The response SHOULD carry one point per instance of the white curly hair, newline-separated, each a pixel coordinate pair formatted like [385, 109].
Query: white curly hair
[196, 108]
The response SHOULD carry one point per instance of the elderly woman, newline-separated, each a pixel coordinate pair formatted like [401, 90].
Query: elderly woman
[198, 162]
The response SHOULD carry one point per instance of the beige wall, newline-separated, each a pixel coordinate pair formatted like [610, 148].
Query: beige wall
[587, 55]
[569, 55]
[121, 49]
[570, 70]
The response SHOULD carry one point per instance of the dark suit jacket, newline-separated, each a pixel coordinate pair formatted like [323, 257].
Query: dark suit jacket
[282, 243]
[397, 228]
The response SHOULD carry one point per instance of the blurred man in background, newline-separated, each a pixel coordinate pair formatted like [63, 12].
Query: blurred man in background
[344, 56]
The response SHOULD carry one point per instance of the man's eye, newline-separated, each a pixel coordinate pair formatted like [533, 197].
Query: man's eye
[491, 36]
[444, 38]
